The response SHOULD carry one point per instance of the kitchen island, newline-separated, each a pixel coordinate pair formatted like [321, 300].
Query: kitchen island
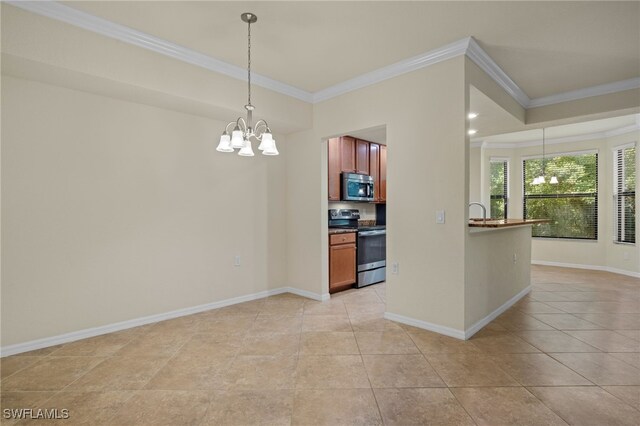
[497, 268]
[503, 223]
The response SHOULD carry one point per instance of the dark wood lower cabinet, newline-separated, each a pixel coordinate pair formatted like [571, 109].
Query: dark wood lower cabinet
[342, 261]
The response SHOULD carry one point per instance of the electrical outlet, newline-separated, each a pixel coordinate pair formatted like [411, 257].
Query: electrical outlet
[515, 257]
[395, 268]
[440, 216]
[236, 261]
[626, 255]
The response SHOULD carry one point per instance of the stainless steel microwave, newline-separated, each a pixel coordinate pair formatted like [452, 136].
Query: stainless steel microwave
[357, 187]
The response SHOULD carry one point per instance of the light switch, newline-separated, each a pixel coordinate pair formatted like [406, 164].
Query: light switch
[439, 216]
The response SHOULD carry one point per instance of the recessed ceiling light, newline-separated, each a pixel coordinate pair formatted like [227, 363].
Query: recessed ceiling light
[472, 131]
[472, 115]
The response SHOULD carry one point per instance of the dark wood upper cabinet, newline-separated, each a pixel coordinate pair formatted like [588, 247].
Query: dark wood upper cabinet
[362, 157]
[374, 169]
[334, 159]
[350, 155]
[347, 154]
[383, 174]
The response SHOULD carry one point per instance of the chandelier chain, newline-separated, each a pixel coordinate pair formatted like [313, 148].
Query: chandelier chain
[249, 61]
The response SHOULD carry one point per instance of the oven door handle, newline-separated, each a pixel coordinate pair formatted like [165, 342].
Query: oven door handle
[371, 233]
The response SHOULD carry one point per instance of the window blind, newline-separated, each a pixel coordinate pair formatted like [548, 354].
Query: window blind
[571, 205]
[625, 194]
[499, 189]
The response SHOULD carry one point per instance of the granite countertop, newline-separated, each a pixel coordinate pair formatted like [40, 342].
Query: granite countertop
[503, 223]
[342, 230]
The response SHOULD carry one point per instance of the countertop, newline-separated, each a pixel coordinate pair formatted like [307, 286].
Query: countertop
[342, 230]
[503, 223]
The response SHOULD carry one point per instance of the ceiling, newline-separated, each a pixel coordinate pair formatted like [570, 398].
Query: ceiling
[491, 119]
[545, 47]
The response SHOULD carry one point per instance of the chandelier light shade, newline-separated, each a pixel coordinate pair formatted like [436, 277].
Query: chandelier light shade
[542, 178]
[243, 130]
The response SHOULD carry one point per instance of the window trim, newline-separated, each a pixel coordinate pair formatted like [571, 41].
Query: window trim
[596, 195]
[506, 185]
[614, 170]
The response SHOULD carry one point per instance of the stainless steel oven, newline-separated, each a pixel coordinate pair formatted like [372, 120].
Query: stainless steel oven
[357, 187]
[372, 255]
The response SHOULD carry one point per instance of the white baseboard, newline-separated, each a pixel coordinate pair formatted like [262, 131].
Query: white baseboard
[452, 332]
[493, 315]
[136, 322]
[441, 329]
[308, 294]
[591, 267]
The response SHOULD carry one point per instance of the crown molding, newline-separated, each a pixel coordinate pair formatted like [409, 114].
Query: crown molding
[412, 64]
[489, 66]
[587, 92]
[69, 15]
[467, 46]
[554, 141]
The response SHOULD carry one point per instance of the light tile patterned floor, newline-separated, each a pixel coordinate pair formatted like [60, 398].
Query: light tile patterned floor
[567, 353]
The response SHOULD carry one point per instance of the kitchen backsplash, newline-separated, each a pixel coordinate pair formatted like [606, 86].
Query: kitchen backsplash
[367, 210]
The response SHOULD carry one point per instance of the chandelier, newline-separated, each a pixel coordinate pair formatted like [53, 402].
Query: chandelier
[244, 131]
[542, 178]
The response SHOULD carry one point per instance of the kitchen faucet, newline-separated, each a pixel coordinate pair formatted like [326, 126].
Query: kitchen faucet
[484, 210]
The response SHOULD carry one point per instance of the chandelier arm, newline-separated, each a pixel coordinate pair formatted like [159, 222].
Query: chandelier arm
[231, 123]
[260, 123]
[242, 124]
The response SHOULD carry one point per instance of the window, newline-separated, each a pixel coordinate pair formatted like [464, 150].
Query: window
[625, 194]
[499, 184]
[571, 205]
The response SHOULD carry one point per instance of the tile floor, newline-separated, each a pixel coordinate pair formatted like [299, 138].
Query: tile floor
[567, 353]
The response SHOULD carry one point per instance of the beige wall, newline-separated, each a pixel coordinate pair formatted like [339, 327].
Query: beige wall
[113, 210]
[493, 274]
[475, 180]
[424, 114]
[603, 253]
[491, 277]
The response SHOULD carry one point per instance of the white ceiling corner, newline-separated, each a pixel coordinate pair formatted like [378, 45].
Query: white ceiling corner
[488, 65]
[467, 46]
[603, 89]
[426, 59]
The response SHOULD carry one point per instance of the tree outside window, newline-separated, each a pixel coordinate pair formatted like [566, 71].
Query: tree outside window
[498, 190]
[571, 205]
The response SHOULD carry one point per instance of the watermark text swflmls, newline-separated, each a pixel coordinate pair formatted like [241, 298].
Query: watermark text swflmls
[35, 413]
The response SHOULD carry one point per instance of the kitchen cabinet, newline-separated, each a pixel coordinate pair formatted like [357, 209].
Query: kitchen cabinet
[350, 155]
[383, 174]
[374, 169]
[342, 261]
[334, 159]
[347, 154]
[362, 157]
